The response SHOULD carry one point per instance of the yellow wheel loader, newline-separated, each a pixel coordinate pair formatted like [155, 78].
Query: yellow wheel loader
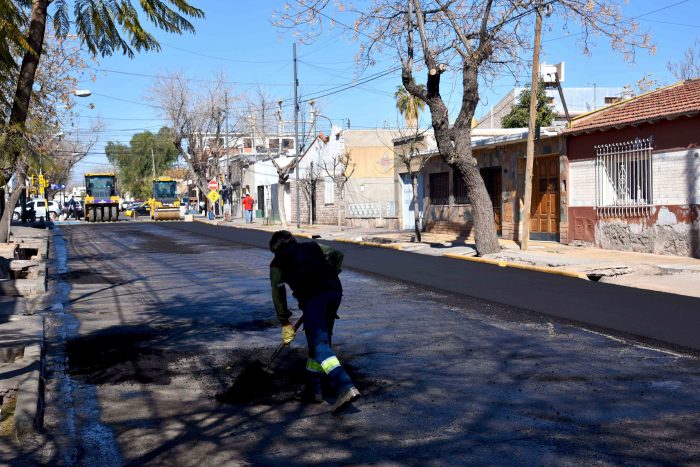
[101, 198]
[165, 204]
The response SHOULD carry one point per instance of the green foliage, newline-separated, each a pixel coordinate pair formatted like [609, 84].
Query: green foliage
[101, 24]
[408, 105]
[12, 21]
[519, 116]
[135, 164]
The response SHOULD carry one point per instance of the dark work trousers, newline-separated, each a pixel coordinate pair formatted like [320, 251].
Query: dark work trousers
[319, 317]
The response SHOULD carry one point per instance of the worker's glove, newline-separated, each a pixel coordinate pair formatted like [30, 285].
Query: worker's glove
[287, 333]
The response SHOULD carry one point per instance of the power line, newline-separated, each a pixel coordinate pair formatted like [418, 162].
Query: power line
[626, 20]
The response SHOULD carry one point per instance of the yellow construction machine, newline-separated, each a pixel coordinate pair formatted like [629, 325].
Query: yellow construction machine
[165, 204]
[101, 198]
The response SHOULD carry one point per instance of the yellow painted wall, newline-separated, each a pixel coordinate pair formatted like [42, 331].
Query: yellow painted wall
[372, 162]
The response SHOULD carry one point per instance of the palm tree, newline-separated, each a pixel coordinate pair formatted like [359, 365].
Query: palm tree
[104, 27]
[408, 105]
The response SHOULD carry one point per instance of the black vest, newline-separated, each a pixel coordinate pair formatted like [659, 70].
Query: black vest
[305, 269]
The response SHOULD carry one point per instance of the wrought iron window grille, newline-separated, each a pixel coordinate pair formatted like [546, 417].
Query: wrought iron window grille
[624, 178]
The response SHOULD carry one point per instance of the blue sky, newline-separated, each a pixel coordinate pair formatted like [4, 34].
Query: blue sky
[236, 36]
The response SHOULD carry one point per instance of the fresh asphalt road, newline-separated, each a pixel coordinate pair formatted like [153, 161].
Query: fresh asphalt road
[154, 320]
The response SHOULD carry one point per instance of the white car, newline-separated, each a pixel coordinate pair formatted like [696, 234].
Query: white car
[40, 209]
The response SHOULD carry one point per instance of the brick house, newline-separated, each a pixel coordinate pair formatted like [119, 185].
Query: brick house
[634, 173]
[500, 155]
[368, 196]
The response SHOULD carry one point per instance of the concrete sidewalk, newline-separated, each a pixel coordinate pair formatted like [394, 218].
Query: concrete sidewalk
[22, 294]
[671, 274]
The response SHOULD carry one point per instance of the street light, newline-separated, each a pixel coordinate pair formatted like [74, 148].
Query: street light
[82, 92]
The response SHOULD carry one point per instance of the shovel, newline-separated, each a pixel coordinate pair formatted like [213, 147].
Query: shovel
[266, 367]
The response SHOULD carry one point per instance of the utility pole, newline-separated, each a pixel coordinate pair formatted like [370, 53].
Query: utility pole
[296, 132]
[530, 156]
[229, 183]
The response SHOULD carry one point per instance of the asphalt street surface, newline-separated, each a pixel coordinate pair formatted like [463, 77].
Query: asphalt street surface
[153, 320]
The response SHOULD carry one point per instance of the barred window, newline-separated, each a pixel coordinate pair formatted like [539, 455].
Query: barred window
[459, 188]
[624, 178]
[440, 188]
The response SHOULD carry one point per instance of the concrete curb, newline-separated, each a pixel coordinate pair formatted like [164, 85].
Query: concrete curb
[28, 411]
[501, 263]
[363, 243]
[527, 267]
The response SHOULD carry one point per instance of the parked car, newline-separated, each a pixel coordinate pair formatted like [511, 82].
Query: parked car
[42, 208]
[138, 209]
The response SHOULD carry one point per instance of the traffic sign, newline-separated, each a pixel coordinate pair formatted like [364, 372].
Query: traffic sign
[213, 195]
[213, 185]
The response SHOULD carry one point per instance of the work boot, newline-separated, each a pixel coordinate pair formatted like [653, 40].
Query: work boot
[345, 399]
[308, 396]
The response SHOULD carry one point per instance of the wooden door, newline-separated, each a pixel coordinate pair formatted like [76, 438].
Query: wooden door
[544, 220]
[492, 180]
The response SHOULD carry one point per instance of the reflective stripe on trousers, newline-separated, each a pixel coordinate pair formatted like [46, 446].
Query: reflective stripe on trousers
[316, 309]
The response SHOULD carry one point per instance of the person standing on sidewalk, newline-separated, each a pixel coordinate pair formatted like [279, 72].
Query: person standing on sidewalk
[311, 271]
[248, 203]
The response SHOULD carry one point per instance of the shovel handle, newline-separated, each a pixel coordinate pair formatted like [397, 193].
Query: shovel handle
[279, 348]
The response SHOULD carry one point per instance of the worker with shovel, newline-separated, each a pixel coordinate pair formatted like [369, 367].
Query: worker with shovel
[311, 271]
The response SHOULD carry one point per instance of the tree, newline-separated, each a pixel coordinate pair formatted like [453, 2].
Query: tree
[101, 27]
[408, 106]
[408, 152]
[283, 172]
[689, 66]
[146, 153]
[309, 182]
[197, 115]
[519, 115]
[41, 145]
[478, 39]
[339, 168]
[12, 18]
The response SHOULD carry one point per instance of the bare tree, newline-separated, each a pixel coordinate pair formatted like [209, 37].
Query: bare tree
[408, 151]
[339, 168]
[309, 182]
[197, 115]
[65, 152]
[283, 172]
[475, 38]
[689, 66]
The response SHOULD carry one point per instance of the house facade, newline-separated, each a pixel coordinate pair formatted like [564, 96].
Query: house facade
[500, 156]
[624, 177]
[634, 173]
[368, 198]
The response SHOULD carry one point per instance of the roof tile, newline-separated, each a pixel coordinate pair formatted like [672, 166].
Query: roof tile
[678, 99]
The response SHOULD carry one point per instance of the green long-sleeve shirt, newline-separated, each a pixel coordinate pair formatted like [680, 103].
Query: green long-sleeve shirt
[279, 292]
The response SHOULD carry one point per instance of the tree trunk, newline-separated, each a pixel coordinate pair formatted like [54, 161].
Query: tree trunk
[341, 202]
[6, 218]
[20, 105]
[416, 210]
[482, 208]
[280, 202]
[30, 63]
